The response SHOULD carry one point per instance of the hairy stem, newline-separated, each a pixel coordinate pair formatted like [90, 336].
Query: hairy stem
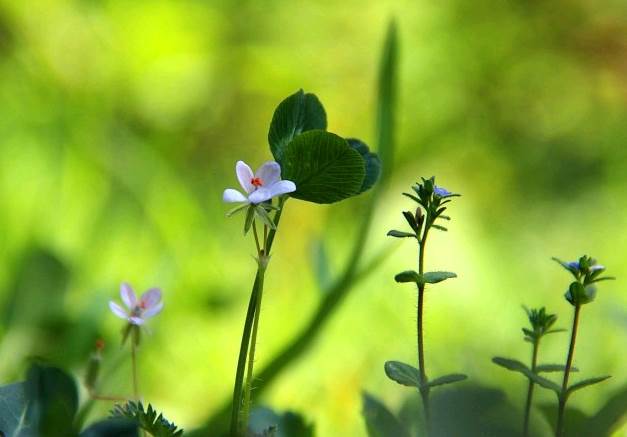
[424, 390]
[245, 345]
[251, 354]
[534, 360]
[559, 429]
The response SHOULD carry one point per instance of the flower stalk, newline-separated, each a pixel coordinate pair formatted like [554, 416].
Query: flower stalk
[559, 429]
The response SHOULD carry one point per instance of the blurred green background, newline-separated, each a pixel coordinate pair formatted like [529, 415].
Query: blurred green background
[120, 124]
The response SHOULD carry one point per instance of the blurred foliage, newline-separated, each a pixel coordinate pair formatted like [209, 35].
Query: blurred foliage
[120, 126]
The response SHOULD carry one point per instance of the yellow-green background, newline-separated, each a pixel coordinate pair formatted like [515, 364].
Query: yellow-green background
[120, 124]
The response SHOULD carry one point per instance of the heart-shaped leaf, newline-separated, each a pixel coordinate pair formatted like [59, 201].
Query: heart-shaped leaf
[371, 160]
[296, 114]
[323, 166]
[402, 373]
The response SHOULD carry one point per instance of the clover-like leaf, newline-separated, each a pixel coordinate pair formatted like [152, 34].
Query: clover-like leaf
[402, 373]
[296, 114]
[371, 160]
[323, 166]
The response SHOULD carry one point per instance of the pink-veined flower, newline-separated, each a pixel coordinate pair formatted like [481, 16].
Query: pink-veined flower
[138, 310]
[260, 186]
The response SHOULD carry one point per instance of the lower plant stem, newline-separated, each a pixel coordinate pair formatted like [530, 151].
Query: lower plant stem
[559, 429]
[424, 389]
[134, 366]
[251, 354]
[534, 360]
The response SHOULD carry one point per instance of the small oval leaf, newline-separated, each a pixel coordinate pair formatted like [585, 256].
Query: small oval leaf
[402, 373]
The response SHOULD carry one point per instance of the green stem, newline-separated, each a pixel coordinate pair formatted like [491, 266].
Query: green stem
[534, 359]
[134, 366]
[424, 390]
[559, 429]
[247, 332]
[251, 355]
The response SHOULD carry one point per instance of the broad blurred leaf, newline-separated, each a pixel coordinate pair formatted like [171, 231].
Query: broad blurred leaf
[371, 161]
[323, 166]
[288, 424]
[473, 411]
[402, 373]
[13, 420]
[114, 427]
[380, 422]
[53, 400]
[298, 113]
[612, 414]
[576, 421]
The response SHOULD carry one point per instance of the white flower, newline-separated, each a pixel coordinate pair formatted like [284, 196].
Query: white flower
[147, 306]
[263, 185]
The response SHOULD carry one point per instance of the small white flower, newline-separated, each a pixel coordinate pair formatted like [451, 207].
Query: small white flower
[149, 305]
[263, 185]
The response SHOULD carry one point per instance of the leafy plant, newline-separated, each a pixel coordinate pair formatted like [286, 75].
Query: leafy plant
[147, 419]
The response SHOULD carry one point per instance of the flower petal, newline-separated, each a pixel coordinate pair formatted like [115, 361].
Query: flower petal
[269, 173]
[150, 298]
[244, 176]
[128, 295]
[151, 312]
[136, 320]
[118, 310]
[282, 187]
[230, 195]
[260, 195]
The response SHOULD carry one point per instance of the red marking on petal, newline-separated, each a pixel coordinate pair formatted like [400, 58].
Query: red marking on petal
[257, 182]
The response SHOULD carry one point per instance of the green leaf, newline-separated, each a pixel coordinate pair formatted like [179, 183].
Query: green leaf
[371, 161]
[408, 276]
[266, 422]
[380, 422]
[13, 420]
[298, 113]
[402, 373]
[611, 415]
[323, 166]
[387, 93]
[574, 419]
[447, 379]
[400, 234]
[435, 277]
[585, 383]
[264, 217]
[250, 216]
[53, 397]
[517, 366]
[546, 368]
[116, 427]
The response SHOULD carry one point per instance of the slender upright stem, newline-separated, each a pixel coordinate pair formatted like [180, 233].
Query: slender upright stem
[534, 360]
[251, 354]
[559, 429]
[424, 390]
[134, 366]
[245, 345]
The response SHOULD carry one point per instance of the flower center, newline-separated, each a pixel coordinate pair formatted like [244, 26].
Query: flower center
[257, 182]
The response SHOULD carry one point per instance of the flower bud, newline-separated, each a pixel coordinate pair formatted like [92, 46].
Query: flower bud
[93, 367]
[419, 216]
